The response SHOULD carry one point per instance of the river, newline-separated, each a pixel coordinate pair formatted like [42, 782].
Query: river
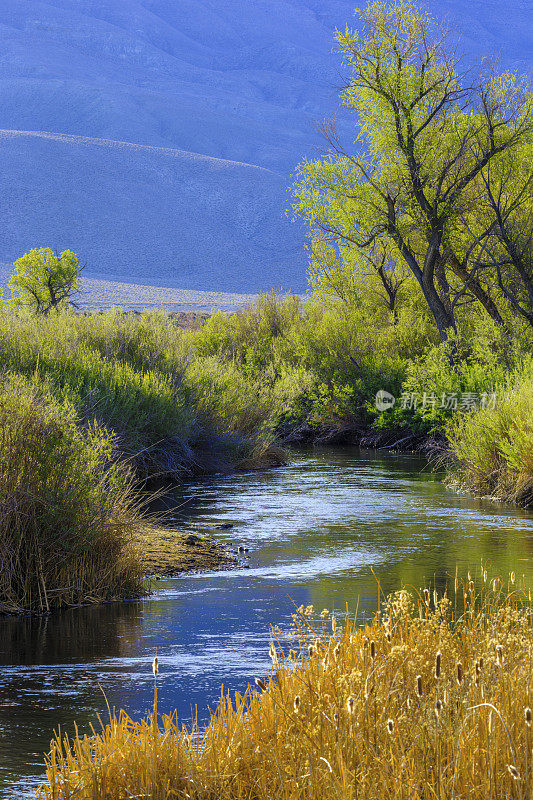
[316, 531]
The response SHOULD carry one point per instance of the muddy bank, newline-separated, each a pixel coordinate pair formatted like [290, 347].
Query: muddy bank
[166, 552]
[338, 433]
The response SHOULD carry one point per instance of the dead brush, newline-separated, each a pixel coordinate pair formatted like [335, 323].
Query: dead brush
[346, 725]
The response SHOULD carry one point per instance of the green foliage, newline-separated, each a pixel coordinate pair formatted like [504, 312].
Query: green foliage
[437, 147]
[494, 446]
[45, 280]
[67, 506]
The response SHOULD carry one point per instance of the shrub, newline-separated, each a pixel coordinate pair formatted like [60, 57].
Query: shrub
[67, 506]
[494, 446]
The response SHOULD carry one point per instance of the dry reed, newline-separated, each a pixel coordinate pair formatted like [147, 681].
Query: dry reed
[343, 719]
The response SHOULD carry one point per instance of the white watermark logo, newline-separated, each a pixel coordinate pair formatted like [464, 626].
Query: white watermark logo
[462, 401]
[384, 400]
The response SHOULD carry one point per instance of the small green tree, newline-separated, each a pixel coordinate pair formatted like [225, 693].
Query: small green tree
[45, 280]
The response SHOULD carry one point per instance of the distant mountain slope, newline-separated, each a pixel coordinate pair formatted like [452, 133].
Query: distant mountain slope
[169, 217]
[238, 80]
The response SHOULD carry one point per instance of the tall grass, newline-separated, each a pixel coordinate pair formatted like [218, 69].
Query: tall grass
[66, 506]
[430, 700]
[139, 377]
[493, 447]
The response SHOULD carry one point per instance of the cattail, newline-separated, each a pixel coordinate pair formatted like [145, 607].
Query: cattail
[365, 642]
[471, 587]
[481, 662]
[297, 704]
[155, 666]
[435, 598]
[528, 716]
[408, 703]
[494, 585]
[336, 650]
[390, 726]
[419, 685]
[459, 668]
[350, 705]
[513, 771]
[333, 624]
[272, 652]
[484, 576]
[426, 596]
[477, 671]
[372, 650]
[310, 650]
[437, 664]
[438, 706]
[512, 577]
[261, 684]
[499, 654]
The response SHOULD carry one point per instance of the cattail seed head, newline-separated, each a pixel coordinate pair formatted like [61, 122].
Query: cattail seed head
[437, 664]
[336, 650]
[459, 668]
[408, 703]
[155, 666]
[372, 649]
[426, 596]
[272, 652]
[350, 705]
[513, 772]
[471, 587]
[484, 576]
[435, 598]
[438, 707]
[310, 650]
[481, 662]
[390, 726]
[528, 716]
[419, 685]
[499, 654]
[512, 576]
[494, 585]
[297, 704]
[261, 684]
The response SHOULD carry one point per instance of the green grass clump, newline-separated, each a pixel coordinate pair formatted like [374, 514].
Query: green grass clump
[494, 446]
[139, 377]
[430, 700]
[67, 507]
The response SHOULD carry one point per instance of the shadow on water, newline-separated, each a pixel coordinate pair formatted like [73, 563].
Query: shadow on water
[315, 531]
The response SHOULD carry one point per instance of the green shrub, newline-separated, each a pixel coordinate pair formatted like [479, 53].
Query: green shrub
[67, 506]
[494, 446]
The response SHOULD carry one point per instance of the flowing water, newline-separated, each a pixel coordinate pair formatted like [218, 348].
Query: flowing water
[315, 530]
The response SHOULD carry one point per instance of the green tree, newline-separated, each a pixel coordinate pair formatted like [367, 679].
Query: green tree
[44, 280]
[428, 134]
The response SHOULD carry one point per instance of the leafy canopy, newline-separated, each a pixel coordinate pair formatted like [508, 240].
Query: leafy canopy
[45, 280]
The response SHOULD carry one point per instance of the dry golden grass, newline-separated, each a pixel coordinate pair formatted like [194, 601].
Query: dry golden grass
[431, 700]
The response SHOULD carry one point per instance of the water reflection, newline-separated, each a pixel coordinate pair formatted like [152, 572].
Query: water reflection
[314, 531]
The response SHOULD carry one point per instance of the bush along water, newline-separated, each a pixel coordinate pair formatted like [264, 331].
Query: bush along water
[67, 507]
[430, 699]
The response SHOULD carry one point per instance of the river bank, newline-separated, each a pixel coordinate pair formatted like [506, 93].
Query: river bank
[167, 552]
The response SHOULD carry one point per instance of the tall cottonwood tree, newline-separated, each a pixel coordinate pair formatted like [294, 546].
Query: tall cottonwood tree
[428, 132]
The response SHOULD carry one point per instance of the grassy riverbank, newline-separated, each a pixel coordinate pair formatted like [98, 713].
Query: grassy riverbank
[93, 405]
[90, 407]
[426, 701]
